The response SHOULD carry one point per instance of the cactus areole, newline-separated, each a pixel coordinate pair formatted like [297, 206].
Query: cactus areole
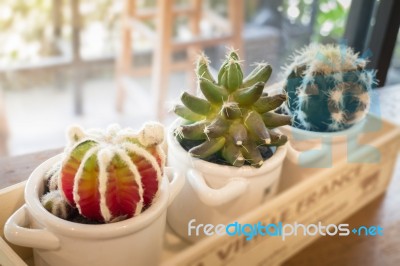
[328, 88]
[235, 117]
[111, 174]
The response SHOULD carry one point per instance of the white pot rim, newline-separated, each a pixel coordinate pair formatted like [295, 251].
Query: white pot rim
[90, 231]
[222, 170]
[349, 132]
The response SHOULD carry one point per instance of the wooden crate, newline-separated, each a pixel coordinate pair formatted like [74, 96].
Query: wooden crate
[327, 195]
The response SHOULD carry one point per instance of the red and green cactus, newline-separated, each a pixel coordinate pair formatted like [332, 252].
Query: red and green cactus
[234, 117]
[112, 174]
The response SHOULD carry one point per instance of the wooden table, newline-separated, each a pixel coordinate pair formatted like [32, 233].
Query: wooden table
[17, 169]
[366, 251]
[383, 211]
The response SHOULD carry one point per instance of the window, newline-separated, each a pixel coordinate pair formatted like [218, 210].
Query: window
[57, 57]
[277, 28]
[394, 70]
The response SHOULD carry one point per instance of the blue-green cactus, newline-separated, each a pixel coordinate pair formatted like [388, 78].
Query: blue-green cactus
[328, 88]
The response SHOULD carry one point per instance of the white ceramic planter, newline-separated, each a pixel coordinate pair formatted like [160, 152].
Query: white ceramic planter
[135, 241]
[309, 150]
[217, 193]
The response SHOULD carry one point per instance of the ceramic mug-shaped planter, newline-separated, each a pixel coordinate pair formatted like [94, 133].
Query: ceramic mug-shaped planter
[217, 194]
[309, 151]
[55, 241]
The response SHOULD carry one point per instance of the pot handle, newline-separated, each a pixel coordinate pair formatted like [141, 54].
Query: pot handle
[17, 232]
[176, 183]
[216, 197]
[306, 158]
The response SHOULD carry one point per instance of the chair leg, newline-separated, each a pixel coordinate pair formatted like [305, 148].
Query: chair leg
[162, 56]
[236, 19]
[194, 50]
[124, 60]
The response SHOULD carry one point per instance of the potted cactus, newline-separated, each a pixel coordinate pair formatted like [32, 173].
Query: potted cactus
[328, 89]
[106, 192]
[226, 145]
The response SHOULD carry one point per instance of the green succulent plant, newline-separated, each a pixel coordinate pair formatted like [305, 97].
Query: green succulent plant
[234, 117]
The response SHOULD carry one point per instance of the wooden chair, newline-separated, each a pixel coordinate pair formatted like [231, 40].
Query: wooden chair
[164, 45]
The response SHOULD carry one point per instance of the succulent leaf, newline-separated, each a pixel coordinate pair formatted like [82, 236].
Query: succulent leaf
[252, 154]
[277, 139]
[186, 113]
[207, 148]
[231, 110]
[217, 127]
[214, 93]
[249, 96]
[261, 73]
[194, 131]
[239, 133]
[254, 123]
[272, 120]
[269, 103]
[233, 55]
[203, 70]
[195, 104]
[233, 155]
[234, 76]
[221, 73]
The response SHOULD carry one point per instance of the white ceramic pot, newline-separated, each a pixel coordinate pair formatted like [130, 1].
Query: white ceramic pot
[58, 242]
[215, 193]
[309, 150]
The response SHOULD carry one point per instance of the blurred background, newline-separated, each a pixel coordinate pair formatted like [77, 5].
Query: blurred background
[124, 61]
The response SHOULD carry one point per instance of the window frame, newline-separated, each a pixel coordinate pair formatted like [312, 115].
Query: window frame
[374, 25]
